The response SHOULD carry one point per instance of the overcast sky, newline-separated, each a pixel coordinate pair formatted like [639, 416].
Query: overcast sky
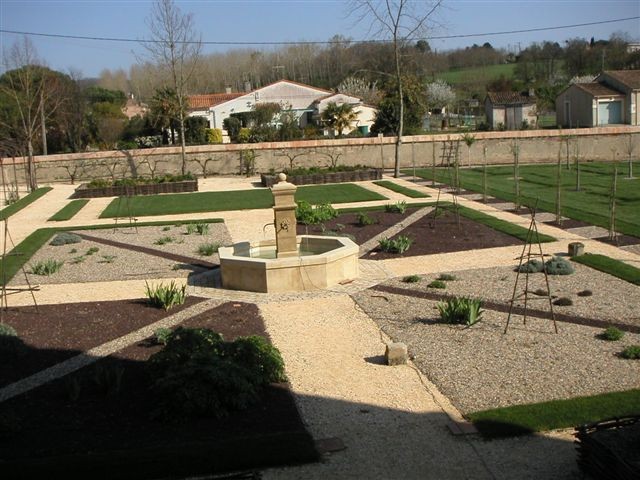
[281, 21]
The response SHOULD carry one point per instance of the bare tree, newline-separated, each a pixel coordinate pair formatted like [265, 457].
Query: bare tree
[403, 20]
[175, 47]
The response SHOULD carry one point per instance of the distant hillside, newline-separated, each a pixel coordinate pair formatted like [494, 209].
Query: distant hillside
[477, 75]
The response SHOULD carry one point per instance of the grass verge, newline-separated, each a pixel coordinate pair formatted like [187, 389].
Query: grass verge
[24, 250]
[407, 192]
[538, 417]
[68, 211]
[179, 203]
[23, 202]
[611, 266]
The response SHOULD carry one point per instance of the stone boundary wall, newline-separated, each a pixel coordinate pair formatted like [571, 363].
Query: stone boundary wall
[535, 146]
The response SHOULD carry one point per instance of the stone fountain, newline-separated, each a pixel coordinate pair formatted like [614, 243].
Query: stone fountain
[290, 263]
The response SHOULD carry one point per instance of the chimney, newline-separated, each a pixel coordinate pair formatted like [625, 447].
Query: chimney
[227, 89]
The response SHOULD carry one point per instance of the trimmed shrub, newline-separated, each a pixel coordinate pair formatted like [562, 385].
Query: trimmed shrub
[447, 277]
[611, 334]
[437, 284]
[585, 293]
[65, 238]
[460, 310]
[11, 345]
[166, 296]
[632, 352]
[162, 335]
[163, 240]
[541, 292]
[563, 302]
[412, 279]
[558, 266]
[532, 266]
[46, 267]
[92, 250]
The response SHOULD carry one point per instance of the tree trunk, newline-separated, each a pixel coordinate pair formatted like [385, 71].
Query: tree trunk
[43, 124]
[396, 171]
[183, 155]
[31, 168]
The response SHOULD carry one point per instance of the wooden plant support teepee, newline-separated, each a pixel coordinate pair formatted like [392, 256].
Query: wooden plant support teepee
[450, 159]
[126, 216]
[526, 256]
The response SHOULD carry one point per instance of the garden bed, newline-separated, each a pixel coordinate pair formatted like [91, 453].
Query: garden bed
[85, 191]
[70, 428]
[325, 177]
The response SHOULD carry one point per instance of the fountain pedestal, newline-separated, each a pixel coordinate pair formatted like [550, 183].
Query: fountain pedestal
[284, 210]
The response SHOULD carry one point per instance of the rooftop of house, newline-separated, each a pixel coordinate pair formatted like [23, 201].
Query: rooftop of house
[630, 78]
[598, 89]
[211, 99]
[510, 98]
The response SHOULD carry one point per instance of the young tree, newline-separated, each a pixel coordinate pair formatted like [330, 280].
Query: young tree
[440, 94]
[174, 46]
[402, 20]
[339, 117]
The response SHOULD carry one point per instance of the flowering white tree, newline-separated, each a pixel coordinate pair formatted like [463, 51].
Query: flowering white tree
[362, 89]
[440, 94]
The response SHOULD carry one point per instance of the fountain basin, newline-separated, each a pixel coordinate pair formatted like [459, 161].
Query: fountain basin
[321, 262]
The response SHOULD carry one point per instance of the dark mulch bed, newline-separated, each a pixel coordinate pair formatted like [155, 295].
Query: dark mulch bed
[55, 333]
[347, 223]
[445, 235]
[46, 433]
[568, 223]
[620, 240]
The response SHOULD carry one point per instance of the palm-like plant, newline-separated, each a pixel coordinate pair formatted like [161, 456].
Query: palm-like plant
[339, 117]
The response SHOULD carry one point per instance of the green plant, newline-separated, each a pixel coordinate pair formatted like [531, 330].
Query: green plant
[460, 310]
[73, 250]
[107, 259]
[197, 373]
[166, 229]
[191, 229]
[11, 345]
[166, 296]
[563, 302]
[558, 266]
[437, 284]
[532, 266]
[92, 250]
[447, 277]
[202, 228]
[107, 379]
[77, 260]
[400, 244]
[46, 267]
[163, 240]
[412, 279]
[65, 238]
[162, 335]
[314, 214]
[541, 292]
[364, 219]
[632, 352]
[611, 334]
[585, 293]
[208, 249]
[398, 207]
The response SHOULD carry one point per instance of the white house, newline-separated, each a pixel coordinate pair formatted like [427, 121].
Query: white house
[305, 101]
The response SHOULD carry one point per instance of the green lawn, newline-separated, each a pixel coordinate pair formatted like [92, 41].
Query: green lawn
[475, 74]
[68, 211]
[538, 417]
[24, 250]
[611, 266]
[590, 204]
[407, 192]
[23, 202]
[179, 203]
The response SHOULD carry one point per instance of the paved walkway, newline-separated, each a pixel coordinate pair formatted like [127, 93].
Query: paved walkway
[393, 422]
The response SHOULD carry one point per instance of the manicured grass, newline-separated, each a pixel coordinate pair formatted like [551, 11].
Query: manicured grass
[380, 208]
[175, 204]
[611, 266]
[23, 202]
[538, 417]
[590, 204]
[69, 210]
[24, 250]
[474, 74]
[408, 192]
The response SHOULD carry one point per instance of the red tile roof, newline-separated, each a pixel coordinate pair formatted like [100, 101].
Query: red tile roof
[509, 98]
[630, 78]
[211, 99]
[598, 89]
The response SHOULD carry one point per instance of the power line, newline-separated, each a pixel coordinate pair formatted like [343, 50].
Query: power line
[328, 42]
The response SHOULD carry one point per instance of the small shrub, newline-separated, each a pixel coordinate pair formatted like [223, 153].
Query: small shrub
[412, 279]
[191, 229]
[559, 266]
[163, 240]
[611, 334]
[632, 352]
[73, 250]
[437, 284]
[208, 249]
[92, 250]
[398, 207]
[162, 335]
[65, 238]
[400, 244]
[11, 345]
[202, 228]
[460, 310]
[541, 292]
[563, 302]
[447, 277]
[46, 267]
[166, 229]
[532, 266]
[107, 259]
[77, 260]
[364, 219]
[585, 293]
[166, 296]
[314, 214]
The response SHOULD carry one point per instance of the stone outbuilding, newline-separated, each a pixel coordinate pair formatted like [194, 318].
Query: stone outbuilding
[509, 110]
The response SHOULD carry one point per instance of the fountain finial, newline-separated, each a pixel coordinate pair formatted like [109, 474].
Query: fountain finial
[282, 177]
